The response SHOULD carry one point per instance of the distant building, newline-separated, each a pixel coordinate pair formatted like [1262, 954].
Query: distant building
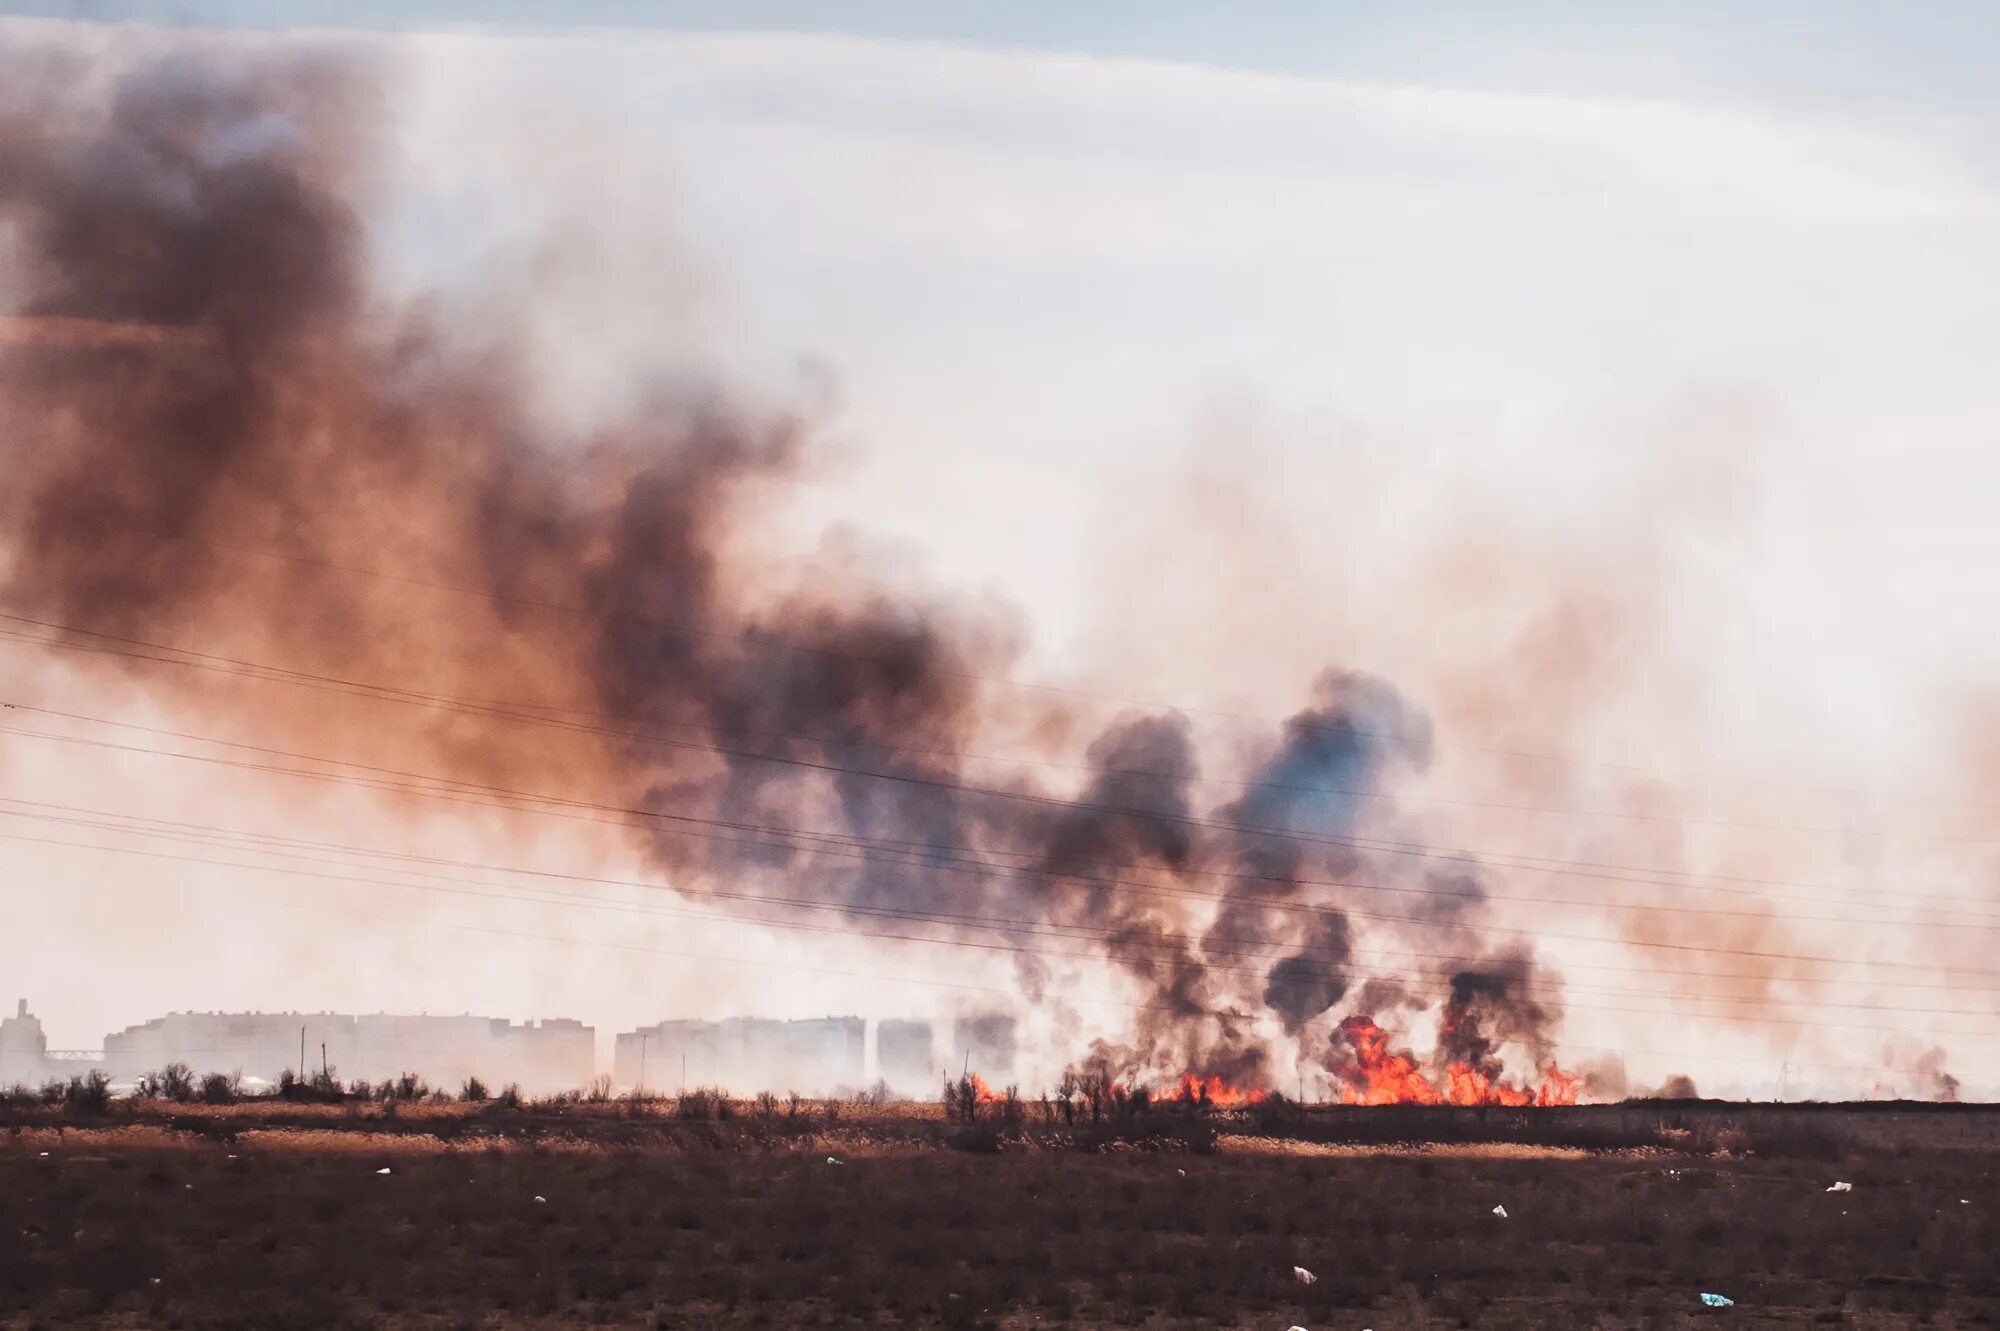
[542, 1056]
[744, 1055]
[906, 1056]
[984, 1043]
[24, 1050]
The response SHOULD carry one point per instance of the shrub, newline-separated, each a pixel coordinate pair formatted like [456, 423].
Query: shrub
[767, 1104]
[961, 1099]
[87, 1093]
[322, 1086]
[474, 1091]
[703, 1102]
[599, 1090]
[177, 1082]
[1066, 1097]
[222, 1088]
[409, 1086]
[510, 1096]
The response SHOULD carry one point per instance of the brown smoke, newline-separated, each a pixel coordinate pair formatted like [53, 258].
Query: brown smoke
[223, 436]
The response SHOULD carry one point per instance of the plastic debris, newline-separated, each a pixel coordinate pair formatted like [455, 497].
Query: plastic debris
[1303, 1276]
[383, 1170]
[1718, 1301]
[1500, 1211]
[833, 1159]
[1841, 1187]
[541, 1200]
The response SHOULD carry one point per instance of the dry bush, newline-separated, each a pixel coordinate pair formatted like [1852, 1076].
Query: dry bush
[87, 1094]
[703, 1103]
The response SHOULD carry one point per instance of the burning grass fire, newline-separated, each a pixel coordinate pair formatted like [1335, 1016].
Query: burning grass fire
[1379, 1074]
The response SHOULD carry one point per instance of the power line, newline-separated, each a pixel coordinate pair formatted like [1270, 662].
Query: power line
[1538, 864]
[453, 790]
[525, 712]
[764, 636]
[844, 931]
[1248, 947]
[931, 852]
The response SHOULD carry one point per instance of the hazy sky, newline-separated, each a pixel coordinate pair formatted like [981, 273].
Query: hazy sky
[1210, 337]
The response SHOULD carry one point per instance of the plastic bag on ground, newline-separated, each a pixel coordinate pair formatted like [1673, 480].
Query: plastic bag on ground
[1303, 1276]
[1718, 1301]
[383, 1170]
[1500, 1211]
[1841, 1187]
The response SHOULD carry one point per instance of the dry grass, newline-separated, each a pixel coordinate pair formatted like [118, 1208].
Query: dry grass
[675, 1228]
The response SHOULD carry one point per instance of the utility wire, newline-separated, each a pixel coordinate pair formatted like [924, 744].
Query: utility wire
[1474, 857]
[1341, 964]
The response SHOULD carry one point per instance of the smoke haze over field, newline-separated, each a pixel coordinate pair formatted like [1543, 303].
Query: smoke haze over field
[267, 489]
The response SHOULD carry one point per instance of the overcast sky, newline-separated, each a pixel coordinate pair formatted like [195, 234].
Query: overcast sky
[1708, 293]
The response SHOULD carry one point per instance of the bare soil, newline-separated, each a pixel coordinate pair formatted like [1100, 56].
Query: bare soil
[125, 1224]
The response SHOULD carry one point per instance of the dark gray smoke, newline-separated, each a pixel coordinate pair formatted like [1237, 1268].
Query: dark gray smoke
[1502, 1001]
[222, 435]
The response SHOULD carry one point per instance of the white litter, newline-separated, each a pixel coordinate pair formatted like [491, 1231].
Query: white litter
[1500, 1211]
[155, 1280]
[833, 1160]
[1303, 1276]
[541, 1200]
[1841, 1187]
[383, 1170]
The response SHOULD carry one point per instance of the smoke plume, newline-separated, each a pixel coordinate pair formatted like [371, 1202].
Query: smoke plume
[226, 437]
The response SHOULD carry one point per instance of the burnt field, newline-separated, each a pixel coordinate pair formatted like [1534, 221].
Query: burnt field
[253, 1216]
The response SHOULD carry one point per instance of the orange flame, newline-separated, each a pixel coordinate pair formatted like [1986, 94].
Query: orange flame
[1384, 1076]
[1213, 1091]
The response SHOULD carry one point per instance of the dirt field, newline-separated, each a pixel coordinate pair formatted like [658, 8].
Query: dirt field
[148, 1225]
